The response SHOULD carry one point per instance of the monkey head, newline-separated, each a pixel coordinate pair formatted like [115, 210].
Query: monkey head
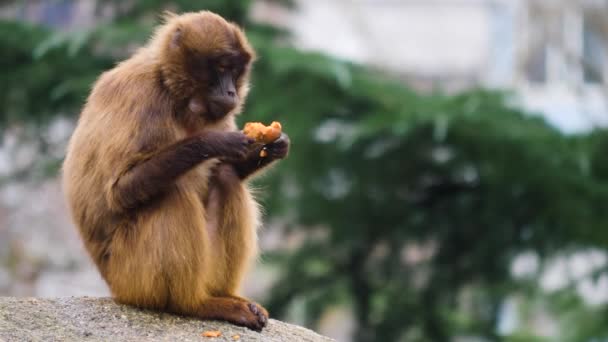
[205, 63]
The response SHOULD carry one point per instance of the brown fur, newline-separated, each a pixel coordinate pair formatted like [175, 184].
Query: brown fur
[157, 187]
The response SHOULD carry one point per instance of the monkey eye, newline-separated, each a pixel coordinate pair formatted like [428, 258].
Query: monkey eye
[223, 67]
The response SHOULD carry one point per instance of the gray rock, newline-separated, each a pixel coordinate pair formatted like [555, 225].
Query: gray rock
[100, 319]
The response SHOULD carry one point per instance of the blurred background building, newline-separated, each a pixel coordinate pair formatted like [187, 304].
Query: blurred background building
[553, 53]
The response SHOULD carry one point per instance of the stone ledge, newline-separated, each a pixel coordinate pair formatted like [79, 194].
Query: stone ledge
[100, 319]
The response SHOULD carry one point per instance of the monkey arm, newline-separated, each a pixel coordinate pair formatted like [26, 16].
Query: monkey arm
[155, 174]
[254, 163]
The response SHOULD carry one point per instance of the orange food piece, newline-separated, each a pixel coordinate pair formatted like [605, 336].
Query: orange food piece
[236, 337]
[261, 133]
[212, 333]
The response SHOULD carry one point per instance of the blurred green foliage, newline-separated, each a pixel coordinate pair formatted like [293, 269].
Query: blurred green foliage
[38, 85]
[413, 207]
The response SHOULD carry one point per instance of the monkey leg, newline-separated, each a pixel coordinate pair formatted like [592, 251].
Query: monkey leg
[133, 273]
[235, 222]
[162, 261]
[234, 310]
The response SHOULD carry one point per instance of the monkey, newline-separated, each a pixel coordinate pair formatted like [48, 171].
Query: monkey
[156, 173]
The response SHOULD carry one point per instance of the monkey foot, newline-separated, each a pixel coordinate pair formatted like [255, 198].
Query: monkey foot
[261, 317]
[250, 315]
[236, 311]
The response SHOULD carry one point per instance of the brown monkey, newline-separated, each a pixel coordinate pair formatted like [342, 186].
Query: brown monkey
[155, 173]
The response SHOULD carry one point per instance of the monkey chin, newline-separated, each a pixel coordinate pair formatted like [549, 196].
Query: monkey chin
[215, 116]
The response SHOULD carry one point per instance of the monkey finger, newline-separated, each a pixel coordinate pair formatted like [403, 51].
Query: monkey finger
[279, 148]
[264, 152]
[283, 138]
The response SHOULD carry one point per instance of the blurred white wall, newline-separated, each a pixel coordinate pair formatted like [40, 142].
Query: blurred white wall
[397, 35]
[540, 48]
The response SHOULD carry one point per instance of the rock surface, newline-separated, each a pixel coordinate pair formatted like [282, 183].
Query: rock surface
[100, 319]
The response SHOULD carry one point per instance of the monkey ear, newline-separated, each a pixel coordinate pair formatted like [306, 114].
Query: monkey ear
[166, 18]
[176, 37]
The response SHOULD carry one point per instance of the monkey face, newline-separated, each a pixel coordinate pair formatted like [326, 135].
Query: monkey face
[222, 96]
[208, 60]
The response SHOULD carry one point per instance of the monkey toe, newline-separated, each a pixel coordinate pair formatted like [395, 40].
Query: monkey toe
[260, 314]
[253, 308]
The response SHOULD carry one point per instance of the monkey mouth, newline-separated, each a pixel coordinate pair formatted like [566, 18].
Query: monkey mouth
[215, 114]
[220, 107]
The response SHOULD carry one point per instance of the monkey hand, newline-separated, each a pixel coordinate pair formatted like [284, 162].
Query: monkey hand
[262, 155]
[277, 149]
[230, 146]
